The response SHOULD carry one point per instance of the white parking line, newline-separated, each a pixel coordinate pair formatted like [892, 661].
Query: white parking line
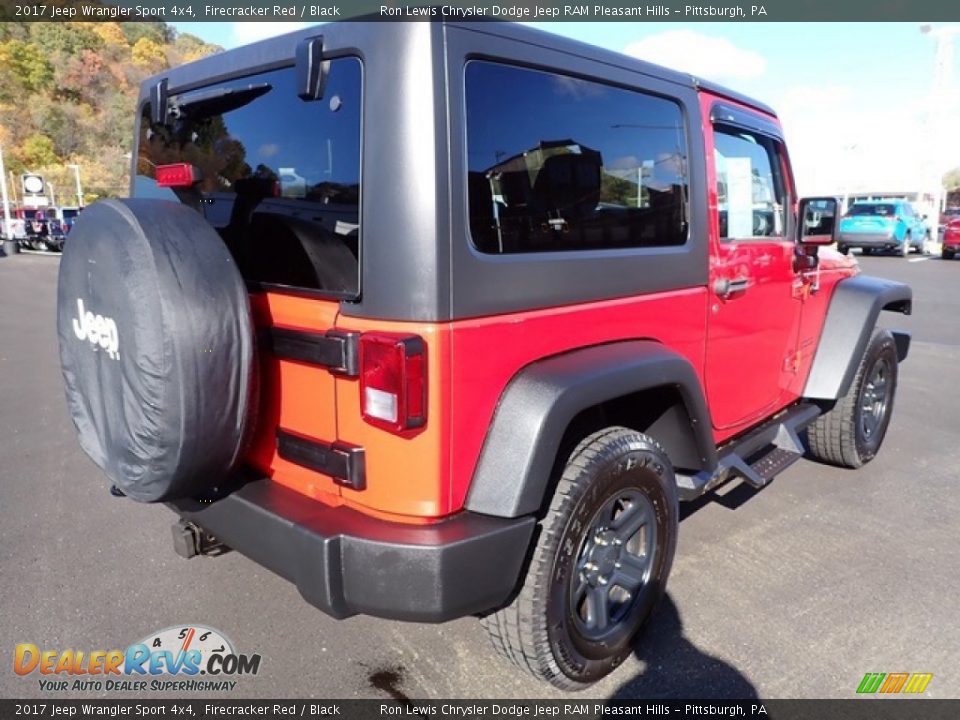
[921, 259]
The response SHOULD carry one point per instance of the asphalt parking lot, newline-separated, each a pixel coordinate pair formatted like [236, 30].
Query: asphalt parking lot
[793, 591]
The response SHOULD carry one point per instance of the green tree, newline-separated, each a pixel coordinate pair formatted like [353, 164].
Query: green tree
[37, 151]
[69, 38]
[26, 65]
[158, 32]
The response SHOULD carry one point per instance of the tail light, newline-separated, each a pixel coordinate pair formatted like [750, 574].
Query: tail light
[393, 381]
[176, 175]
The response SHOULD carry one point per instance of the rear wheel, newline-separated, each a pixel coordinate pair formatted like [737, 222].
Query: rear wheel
[843, 249]
[599, 566]
[947, 253]
[850, 434]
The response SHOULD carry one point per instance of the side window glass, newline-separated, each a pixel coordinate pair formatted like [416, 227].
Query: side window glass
[751, 194]
[556, 163]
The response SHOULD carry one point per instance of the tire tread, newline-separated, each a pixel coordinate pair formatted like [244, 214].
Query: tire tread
[832, 437]
[513, 631]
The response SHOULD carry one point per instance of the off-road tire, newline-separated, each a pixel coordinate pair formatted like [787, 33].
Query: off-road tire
[838, 436]
[538, 630]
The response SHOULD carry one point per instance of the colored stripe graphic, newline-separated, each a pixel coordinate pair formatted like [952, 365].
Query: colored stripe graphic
[894, 683]
[918, 682]
[871, 682]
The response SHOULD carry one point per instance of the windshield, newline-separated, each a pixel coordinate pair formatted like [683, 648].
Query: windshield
[884, 210]
[277, 176]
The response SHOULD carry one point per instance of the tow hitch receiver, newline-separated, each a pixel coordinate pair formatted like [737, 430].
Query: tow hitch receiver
[189, 540]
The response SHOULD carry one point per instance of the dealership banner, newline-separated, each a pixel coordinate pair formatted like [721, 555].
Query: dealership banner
[476, 10]
[576, 707]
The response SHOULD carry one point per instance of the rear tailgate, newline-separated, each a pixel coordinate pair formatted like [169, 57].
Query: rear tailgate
[278, 176]
[296, 397]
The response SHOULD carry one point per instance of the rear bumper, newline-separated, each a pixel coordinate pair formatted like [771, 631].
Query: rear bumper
[346, 563]
[867, 239]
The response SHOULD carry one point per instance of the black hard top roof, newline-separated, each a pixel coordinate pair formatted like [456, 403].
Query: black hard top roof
[277, 51]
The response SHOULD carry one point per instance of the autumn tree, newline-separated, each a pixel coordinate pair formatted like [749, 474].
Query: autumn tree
[110, 33]
[68, 95]
[149, 55]
[951, 179]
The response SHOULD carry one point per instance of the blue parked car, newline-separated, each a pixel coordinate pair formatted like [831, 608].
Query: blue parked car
[882, 225]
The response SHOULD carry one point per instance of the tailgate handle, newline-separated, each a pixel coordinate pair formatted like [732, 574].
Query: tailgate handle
[336, 350]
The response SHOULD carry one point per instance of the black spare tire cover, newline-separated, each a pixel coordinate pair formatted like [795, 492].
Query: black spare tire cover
[156, 346]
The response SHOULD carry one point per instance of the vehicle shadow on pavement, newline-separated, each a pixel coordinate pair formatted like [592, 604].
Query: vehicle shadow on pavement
[676, 668]
[730, 495]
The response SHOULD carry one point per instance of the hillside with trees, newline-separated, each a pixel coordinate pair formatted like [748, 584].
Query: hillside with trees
[68, 94]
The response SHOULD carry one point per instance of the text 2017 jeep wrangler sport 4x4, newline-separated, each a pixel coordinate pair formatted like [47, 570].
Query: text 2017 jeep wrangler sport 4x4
[441, 319]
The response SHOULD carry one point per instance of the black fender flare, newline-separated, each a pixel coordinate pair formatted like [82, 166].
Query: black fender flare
[512, 474]
[854, 307]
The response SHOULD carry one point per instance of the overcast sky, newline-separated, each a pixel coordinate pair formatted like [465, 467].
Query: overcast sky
[853, 98]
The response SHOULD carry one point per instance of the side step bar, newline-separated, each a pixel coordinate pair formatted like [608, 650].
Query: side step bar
[758, 456]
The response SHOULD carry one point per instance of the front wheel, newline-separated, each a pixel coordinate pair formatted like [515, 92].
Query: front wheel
[850, 434]
[599, 566]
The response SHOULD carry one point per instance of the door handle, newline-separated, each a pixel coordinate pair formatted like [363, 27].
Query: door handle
[727, 288]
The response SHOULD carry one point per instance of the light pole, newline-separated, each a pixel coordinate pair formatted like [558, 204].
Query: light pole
[76, 175]
[7, 234]
[848, 152]
[940, 96]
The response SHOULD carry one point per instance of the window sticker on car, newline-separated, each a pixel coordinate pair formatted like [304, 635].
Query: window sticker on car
[739, 197]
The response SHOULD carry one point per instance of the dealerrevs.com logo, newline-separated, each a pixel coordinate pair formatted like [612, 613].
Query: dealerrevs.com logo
[179, 658]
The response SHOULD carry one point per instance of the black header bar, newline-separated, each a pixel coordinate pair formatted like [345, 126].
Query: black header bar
[316, 11]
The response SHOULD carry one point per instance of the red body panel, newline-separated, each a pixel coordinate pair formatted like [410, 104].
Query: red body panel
[488, 352]
[951, 235]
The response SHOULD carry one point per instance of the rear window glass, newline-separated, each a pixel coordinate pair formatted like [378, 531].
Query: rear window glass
[864, 209]
[278, 177]
[559, 163]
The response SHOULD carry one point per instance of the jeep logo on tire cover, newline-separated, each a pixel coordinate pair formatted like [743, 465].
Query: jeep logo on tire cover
[99, 330]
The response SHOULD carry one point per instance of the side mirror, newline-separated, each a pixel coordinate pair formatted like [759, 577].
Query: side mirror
[818, 221]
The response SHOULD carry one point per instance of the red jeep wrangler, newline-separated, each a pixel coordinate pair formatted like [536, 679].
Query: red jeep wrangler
[443, 319]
